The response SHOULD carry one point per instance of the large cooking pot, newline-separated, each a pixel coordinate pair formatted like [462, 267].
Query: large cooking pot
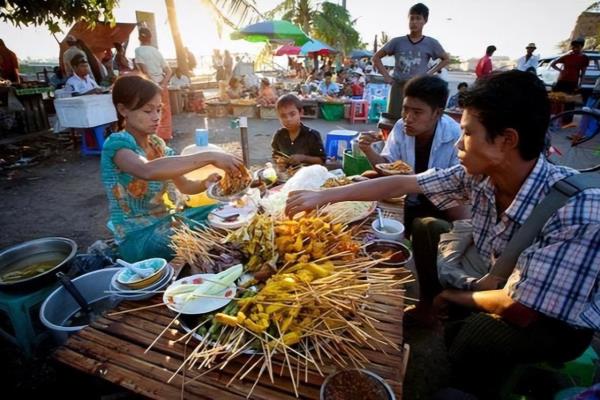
[32, 265]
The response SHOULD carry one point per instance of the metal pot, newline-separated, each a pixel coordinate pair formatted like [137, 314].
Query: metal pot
[56, 250]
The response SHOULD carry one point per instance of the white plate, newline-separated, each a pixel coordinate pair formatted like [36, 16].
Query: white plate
[141, 294]
[201, 305]
[246, 213]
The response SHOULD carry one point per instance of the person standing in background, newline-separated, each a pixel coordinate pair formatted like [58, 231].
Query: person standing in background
[412, 53]
[528, 62]
[191, 60]
[70, 53]
[484, 66]
[227, 64]
[152, 64]
[9, 64]
[574, 64]
[120, 61]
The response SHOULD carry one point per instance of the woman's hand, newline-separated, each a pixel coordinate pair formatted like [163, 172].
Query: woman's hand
[228, 163]
[303, 200]
[212, 178]
[297, 159]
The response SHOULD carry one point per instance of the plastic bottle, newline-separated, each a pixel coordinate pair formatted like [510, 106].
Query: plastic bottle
[201, 145]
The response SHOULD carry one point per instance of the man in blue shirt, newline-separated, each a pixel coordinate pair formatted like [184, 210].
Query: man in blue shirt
[424, 138]
[327, 87]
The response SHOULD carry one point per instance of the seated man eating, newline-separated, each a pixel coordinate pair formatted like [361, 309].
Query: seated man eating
[549, 307]
[424, 138]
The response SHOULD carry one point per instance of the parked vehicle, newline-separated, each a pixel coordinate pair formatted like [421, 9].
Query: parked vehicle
[549, 75]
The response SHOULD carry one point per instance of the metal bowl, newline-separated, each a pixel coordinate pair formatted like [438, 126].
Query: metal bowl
[387, 392]
[46, 250]
[212, 192]
[404, 254]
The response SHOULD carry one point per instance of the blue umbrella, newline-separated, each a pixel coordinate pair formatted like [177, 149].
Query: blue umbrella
[313, 46]
[359, 53]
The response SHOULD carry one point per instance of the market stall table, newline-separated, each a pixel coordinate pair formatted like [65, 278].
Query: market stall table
[113, 348]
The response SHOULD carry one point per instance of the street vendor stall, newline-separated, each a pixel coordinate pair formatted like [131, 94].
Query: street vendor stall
[267, 310]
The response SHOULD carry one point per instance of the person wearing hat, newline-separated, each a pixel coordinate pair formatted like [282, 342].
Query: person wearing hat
[574, 64]
[529, 61]
[152, 64]
[70, 53]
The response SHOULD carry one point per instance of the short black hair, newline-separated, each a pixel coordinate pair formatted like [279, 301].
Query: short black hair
[419, 9]
[462, 85]
[490, 49]
[512, 99]
[430, 89]
[289, 99]
[328, 74]
[78, 59]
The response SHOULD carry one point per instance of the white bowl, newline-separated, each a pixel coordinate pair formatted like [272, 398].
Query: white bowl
[394, 230]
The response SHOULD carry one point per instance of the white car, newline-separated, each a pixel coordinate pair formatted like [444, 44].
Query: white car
[549, 75]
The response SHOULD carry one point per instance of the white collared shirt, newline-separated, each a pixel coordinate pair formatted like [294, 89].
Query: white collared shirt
[524, 65]
[81, 85]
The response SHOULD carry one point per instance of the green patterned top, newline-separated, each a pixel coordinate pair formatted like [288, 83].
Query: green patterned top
[134, 203]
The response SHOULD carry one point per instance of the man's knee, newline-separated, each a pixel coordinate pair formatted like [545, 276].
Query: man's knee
[429, 225]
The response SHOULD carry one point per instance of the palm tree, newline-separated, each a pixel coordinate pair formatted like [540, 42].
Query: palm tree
[332, 25]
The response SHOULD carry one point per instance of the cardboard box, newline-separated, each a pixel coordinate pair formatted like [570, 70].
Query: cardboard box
[268, 112]
[85, 111]
[244, 110]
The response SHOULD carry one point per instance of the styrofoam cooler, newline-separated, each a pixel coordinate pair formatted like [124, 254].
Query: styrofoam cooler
[85, 111]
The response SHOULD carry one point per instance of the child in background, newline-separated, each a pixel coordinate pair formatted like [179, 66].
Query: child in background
[295, 143]
[266, 94]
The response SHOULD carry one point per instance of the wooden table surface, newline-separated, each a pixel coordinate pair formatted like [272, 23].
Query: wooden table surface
[113, 348]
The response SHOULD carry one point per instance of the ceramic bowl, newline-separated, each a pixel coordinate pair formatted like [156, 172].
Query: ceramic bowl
[132, 280]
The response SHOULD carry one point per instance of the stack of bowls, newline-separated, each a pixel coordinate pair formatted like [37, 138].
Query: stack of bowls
[127, 284]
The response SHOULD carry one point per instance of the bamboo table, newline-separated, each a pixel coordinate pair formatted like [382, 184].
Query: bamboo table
[113, 348]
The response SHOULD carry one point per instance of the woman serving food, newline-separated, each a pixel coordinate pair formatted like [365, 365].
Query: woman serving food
[137, 168]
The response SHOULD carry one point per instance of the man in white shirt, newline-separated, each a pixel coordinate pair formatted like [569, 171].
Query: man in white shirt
[179, 81]
[81, 82]
[71, 52]
[528, 62]
[152, 64]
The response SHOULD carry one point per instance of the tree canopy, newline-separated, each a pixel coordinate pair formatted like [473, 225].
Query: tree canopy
[52, 12]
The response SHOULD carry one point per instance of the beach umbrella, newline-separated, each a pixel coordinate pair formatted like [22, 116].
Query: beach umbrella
[314, 47]
[287, 50]
[271, 30]
[359, 53]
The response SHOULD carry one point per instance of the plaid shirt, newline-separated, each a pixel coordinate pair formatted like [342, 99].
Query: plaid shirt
[558, 275]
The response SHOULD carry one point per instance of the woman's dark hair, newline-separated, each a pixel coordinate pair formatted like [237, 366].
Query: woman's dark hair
[512, 99]
[430, 89]
[289, 99]
[490, 50]
[118, 46]
[133, 91]
[419, 9]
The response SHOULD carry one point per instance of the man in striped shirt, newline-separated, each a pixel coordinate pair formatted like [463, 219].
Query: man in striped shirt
[550, 306]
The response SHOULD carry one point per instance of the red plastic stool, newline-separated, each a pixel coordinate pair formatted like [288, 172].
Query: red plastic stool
[359, 111]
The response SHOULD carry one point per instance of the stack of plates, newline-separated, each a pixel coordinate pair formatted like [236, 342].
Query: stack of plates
[127, 293]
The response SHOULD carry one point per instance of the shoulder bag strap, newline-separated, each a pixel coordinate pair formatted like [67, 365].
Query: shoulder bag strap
[558, 196]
